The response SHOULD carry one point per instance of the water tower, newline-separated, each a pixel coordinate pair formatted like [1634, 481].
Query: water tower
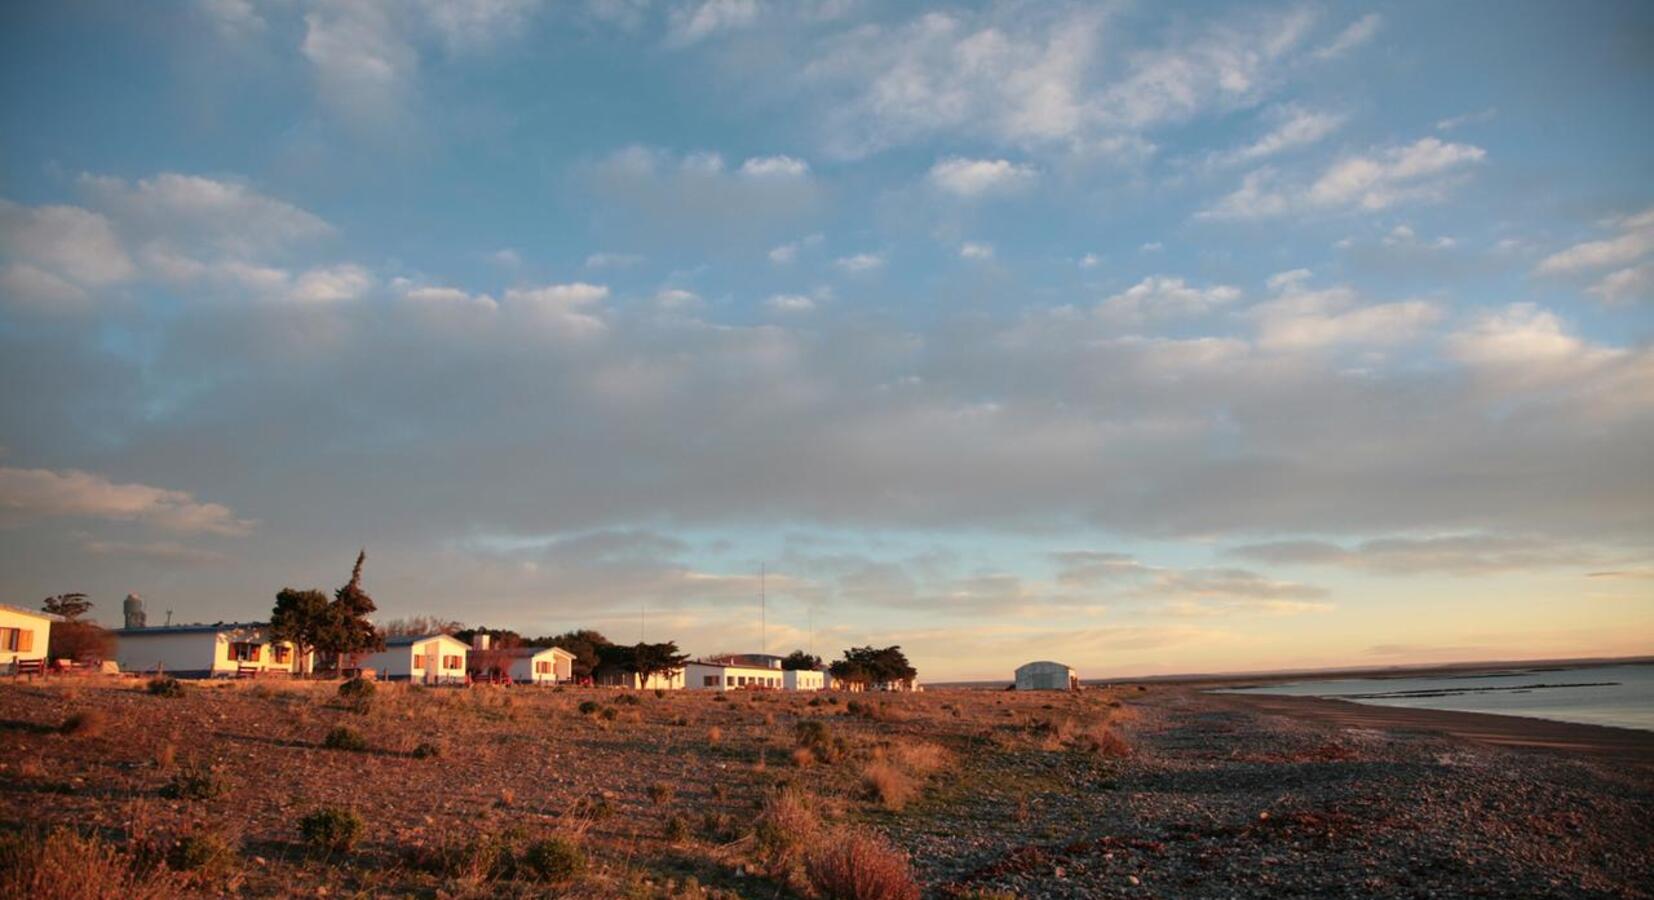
[134, 610]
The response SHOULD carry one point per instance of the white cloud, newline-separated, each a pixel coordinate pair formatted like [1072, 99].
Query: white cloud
[564, 310]
[976, 250]
[1151, 247]
[860, 262]
[693, 22]
[1090, 261]
[332, 284]
[234, 19]
[27, 494]
[1294, 127]
[362, 59]
[775, 167]
[71, 243]
[787, 253]
[613, 260]
[1299, 318]
[1475, 118]
[437, 298]
[1626, 285]
[1160, 297]
[790, 303]
[1354, 35]
[676, 299]
[1635, 241]
[1421, 171]
[230, 217]
[978, 177]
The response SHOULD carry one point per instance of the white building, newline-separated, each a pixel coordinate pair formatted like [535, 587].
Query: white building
[804, 680]
[427, 659]
[660, 681]
[222, 649]
[525, 665]
[1044, 675]
[24, 636]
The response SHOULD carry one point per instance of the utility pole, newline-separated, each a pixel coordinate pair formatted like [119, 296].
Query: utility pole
[763, 612]
[642, 621]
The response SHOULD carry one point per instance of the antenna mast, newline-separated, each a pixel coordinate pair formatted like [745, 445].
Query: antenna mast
[763, 612]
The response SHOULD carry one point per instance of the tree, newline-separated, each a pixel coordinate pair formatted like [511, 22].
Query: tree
[799, 660]
[648, 660]
[585, 644]
[873, 665]
[497, 659]
[304, 619]
[69, 606]
[419, 626]
[352, 632]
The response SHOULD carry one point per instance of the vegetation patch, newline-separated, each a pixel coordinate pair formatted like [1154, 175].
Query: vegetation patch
[331, 829]
[345, 738]
[165, 686]
[856, 865]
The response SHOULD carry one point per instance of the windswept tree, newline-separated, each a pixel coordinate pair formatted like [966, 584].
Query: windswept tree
[649, 660]
[798, 660]
[353, 631]
[82, 640]
[419, 626]
[585, 644]
[869, 666]
[304, 619]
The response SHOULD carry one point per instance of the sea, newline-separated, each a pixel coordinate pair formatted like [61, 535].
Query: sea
[1618, 695]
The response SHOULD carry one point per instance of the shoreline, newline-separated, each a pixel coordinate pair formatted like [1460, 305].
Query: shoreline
[1604, 742]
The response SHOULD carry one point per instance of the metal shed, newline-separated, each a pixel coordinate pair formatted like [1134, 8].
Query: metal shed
[1045, 675]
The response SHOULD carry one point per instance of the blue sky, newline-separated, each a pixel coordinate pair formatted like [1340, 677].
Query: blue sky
[1149, 337]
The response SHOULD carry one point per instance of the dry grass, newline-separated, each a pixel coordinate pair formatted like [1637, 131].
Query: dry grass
[714, 735]
[856, 865]
[889, 785]
[85, 724]
[787, 823]
[63, 865]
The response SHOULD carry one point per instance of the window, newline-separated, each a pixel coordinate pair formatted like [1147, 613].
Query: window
[711, 680]
[20, 640]
[244, 651]
[541, 667]
[452, 662]
[419, 662]
[282, 653]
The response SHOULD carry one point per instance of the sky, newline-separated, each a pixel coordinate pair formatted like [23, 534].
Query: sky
[1147, 337]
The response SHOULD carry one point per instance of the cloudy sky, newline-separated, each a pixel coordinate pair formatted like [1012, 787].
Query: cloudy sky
[1144, 338]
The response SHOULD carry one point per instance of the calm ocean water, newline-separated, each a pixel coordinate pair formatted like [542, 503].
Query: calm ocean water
[1620, 695]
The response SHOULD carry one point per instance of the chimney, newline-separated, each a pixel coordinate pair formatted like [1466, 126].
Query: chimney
[480, 641]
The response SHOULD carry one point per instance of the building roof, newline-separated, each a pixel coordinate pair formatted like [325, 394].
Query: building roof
[1044, 662]
[757, 667]
[408, 640]
[191, 628]
[39, 614]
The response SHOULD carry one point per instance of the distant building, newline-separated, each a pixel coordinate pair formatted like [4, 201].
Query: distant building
[218, 650]
[524, 665]
[749, 671]
[133, 609]
[1045, 675]
[615, 676]
[24, 636]
[426, 659]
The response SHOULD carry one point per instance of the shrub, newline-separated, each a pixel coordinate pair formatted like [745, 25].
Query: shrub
[888, 785]
[343, 738]
[165, 686]
[587, 707]
[716, 825]
[331, 829]
[357, 689]
[554, 859]
[608, 714]
[920, 757]
[628, 699]
[661, 792]
[859, 866]
[803, 757]
[786, 824]
[89, 723]
[815, 736]
[200, 853]
[1105, 742]
[660, 694]
[677, 829]
[426, 750]
[477, 858]
[193, 783]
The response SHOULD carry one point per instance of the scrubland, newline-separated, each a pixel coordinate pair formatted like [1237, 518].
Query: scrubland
[277, 788]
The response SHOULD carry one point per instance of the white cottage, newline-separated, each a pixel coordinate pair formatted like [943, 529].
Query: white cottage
[427, 659]
[24, 636]
[523, 665]
[804, 680]
[1044, 675]
[219, 650]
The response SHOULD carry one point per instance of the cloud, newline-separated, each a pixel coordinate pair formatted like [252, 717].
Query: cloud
[1456, 554]
[1299, 318]
[1162, 297]
[972, 178]
[1635, 241]
[332, 284]
[1524, 347]
[225, 218]
[1422, 171]
[27, 494]
[61, 249]
[1198, 591]
[613, 260]
[775, 167]
[677, 196]
[1626, 285]
[676, 299]
[362, 60]
[976, 250]
[234, 19]
[696, 21]
[567, 311]
[1476, 118]
[169, 552]
[790, 303]
[860, 263]
[786, 254]
[1294, 126]
[1354, 35]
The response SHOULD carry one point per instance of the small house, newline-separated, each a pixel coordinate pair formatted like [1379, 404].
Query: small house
[1044, 675]
[804, 680]
[24, 637]
[426, 659]
[218, 650]
[525, 665]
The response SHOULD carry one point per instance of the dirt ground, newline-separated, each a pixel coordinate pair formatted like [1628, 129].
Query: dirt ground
[1125, 791]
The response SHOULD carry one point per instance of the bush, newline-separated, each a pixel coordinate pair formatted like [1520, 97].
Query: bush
[426, 750]
[628, 699]
[89, 723]
[677, 829]
[859, 866]
[888, 785]
[343, 738]
[479, 858]
[608, 714]
[193, 783]
[357, 689]
[815, 736]
[331, 829]
[165, 686]
[587, 707]
[786, 824]
[554, 859]
[199, 853]
[661, 792]
[660, 694]
[62, 863]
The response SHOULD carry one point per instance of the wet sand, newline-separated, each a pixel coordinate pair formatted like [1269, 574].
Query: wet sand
[1625, 745]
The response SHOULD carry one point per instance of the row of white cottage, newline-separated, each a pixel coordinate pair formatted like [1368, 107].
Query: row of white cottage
[239, 649]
